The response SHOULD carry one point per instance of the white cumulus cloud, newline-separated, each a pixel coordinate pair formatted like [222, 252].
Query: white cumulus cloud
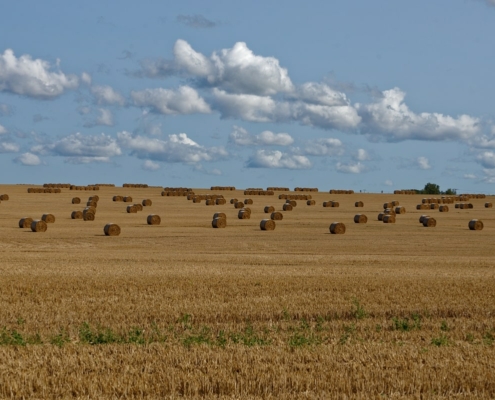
[107, 95]
[324, 147]
[487, 159]
[184, 100]
[177, 148]
[361, 155]
[423, 163]
[33, 78]
[391, 118]
[28, 159]
[105, 117]
[277, 159]
[9, 147]
[3, 131]
[242, 137]
[351, 168]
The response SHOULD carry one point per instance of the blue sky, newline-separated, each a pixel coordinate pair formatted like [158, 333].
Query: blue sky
[359, 95]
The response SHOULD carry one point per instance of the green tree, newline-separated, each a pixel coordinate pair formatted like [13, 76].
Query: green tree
[431, 188]
[450, 192]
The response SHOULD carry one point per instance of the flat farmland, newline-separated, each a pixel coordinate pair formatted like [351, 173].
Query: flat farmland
[182, 309]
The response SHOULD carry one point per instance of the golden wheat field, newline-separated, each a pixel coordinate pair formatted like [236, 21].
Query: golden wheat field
[182, 309]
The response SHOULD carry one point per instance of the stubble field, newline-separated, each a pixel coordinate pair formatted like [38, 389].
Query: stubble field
[185, 310]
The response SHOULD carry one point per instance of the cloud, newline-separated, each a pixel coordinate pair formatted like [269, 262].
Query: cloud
[28, 159]
[469, 176]
[156, 68]
[86, 78]
[236, 70]
[242, 137]
[149, 165]
[104, 118]
[107, 95]
[32, 78]
[82, 149]
[277, 159]
[9, 147]
[179, 148]
[351, 168]
[214, 171]
[489, 175]
[487, 159]
[423, 163]
[3, 130]
[361, 155]
[184, 100]
[5, 110]
[392, 119]
[388, 182]
[196, 21]
[324, 147]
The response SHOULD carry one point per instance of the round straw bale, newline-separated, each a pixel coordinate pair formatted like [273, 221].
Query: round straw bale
[293, 203]
[127, 199]
[219, 215]
[88, 215]
[131, 209]
[118, 198]
[475, 225]
[25, 222]
[248, 201]
[269, 209]
[488, 205]
[76, 200]
[39, 226]
[287, 207]
[111, 229]
[422, 218]
[48, 218]
[310, 202]
[389, 219]
[94, 198]
[210, 202]
[239, 204]
[197, 199]
[146, 202]
[400, 210]
[277, 216]
[443, 208]
[457, 205]
[358, 204]
[380, 216]
[429, 222]
[387, 205]
[360, 219]
[327, 204]
[154, 219]
[395, 203]
[4, 197]
[139, 206]
[76, 215]
[92, 204]
[220, 201]
[470, 205]
[267, 224]
[244, 214]
[219, 223]
[337, 228]
[233, 201]
[389, 211]
[335, 204]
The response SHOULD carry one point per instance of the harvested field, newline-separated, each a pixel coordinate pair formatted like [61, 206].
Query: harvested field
[184, 310]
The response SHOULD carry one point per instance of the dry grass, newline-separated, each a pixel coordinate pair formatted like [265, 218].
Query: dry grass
[182, 309]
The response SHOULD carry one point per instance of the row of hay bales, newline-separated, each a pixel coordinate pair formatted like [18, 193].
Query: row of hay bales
[255, 189]
[38, 225]
[473, 195]
[305, 189]
[177, 189]
[220, 220]
[405, 191]
[331, 203]
[125, 199]
[295, 196]
[89, 187]
[57, 185]
[104, 184]
[278, 189]
[222, 188]
[171, 193]
[44, 190]
[443, 200]
[135, 185]
[340, 191]
[259, 193]
[210, 199]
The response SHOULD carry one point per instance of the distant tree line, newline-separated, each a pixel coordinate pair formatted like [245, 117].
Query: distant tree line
[433, 188]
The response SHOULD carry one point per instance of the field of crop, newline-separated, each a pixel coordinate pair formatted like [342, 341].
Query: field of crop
[184, 310]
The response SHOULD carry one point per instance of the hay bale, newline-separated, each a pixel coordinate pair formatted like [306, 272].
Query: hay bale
[219, 222]
[389, 219]
[95, 198]
[434, 206]
[400, 210]
[269, 209]
[239, 204]
[248, 201]
[139, 206]
[244, 214]
[488, 205]
[25, 222]
[277, 216]
[335, 204]
[395, 203]
[48, 218]
[293, 203]
[423, 206]
[76, 200]
[210, 202]
[327, 204]
[360, 219]
[127, 199]
[311, 202]
[358, 204]
[387, 205]
[4, 197]
[88, 215]
[443, 208]
[475, 225]
[470, 205]
[287, 207]
[197, 199]
[111, 229]
[220, 201]
[154, 219]
[233, 201]
[422, 218]
[429, 222]
[146, 202]
[219, 215]
[380, 216]
[39, 226]
[267, 224]
[92, 204]
[389, 211]
[118, 198]
[337, 228]
[131, 209]
[76, 215]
